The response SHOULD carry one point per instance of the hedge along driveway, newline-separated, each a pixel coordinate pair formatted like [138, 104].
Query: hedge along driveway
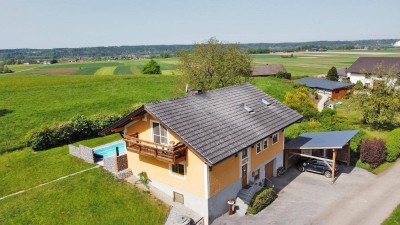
[25, 168]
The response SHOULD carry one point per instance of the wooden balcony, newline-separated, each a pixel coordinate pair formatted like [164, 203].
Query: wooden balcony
[171, 154]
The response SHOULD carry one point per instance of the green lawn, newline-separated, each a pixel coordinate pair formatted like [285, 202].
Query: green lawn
[393, 219]
[25, 168]
[275, 87]
[91, 197]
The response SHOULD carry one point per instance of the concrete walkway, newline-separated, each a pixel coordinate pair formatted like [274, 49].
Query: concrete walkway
[47, 183]
[323, 99]
[372, 205]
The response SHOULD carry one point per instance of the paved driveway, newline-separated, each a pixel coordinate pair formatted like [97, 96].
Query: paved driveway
[304, 196]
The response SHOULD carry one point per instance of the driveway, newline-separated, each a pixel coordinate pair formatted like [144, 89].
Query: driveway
[304, 197]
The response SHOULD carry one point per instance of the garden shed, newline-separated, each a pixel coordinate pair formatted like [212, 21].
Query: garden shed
[329, 146]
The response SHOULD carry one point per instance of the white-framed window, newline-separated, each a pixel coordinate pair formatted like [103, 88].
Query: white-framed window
[178, 169]
[258, 147]
[275, 138]
[160, 133]
[265, 144]
[244, 153]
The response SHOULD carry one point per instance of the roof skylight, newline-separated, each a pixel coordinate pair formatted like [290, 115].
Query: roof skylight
[247, 108]
[265, 102]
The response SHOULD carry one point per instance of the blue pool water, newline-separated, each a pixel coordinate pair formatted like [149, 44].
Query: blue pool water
[109, 149]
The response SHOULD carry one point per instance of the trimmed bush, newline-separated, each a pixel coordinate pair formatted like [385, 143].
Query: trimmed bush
[362, 165]
[79, 128]
[393, 145]
[261, 200]
[284, 75]
[373, 151]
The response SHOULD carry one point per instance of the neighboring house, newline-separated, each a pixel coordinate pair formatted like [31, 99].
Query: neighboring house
[365, 69]
[267, 70]
[342, 73]
[334, 89]
[203, 149]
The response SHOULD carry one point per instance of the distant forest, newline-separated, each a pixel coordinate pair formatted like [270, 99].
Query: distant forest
[165, 51]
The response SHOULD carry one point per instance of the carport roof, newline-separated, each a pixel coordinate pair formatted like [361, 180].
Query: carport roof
[322, 140]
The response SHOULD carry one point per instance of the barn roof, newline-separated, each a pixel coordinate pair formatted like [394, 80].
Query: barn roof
[322, 83]
[368, 65]
[268, 70]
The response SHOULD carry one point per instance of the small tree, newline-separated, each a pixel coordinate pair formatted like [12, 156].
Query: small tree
[151, 67]
[302, 103]
[332, 74]
[373, 151]
[213, 65]
[359, 85]
[53, 61]
[143, 179]
[6, 69]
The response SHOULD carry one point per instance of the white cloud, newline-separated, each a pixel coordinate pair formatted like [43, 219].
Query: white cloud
[397, 44]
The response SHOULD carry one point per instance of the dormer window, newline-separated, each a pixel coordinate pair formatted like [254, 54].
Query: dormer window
[265, 102]
[247, 108]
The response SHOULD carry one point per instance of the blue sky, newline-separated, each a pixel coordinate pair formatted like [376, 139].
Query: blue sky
[85, 23]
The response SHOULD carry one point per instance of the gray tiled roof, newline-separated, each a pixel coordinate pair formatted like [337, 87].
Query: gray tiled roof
[322, 140]
[216, 126]
[322, 83]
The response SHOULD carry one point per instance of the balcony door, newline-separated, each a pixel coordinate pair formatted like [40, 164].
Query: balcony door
[159, 133]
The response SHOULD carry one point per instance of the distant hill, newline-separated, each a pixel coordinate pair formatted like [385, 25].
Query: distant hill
[152, 50]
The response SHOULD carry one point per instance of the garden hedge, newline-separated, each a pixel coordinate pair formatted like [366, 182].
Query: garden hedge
[393, 145]
[79, 128]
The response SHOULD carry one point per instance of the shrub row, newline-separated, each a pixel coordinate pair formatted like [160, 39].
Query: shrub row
[284, 75]
[78, 128]
[261, 200]
[393, 145]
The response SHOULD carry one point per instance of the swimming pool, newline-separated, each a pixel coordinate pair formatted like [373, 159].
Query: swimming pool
[108, 150]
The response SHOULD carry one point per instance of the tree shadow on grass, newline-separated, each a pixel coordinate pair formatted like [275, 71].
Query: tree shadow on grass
[4, 112]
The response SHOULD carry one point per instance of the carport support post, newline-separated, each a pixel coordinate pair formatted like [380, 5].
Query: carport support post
[333, 164]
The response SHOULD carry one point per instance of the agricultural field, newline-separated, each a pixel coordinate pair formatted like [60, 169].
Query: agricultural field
[44, 94]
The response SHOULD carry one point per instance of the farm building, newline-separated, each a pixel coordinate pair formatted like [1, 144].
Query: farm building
[370, 69]
[268, 70]
[334, 89]
[204, 148]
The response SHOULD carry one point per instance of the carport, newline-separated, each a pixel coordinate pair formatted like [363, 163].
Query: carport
[330, 146]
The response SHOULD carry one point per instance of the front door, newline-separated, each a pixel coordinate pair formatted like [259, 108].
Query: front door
[244, 175]
[269, 169]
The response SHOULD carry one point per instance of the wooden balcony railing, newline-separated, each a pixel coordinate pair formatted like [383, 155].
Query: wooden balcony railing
[171, 154]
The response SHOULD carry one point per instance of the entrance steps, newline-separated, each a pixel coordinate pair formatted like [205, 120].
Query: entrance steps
[244, 197]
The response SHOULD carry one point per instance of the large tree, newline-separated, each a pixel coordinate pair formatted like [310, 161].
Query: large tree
[380, 107]
[332, 74]
[213, 65]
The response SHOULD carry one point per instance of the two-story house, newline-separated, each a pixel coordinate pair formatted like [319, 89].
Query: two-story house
[203, 148]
